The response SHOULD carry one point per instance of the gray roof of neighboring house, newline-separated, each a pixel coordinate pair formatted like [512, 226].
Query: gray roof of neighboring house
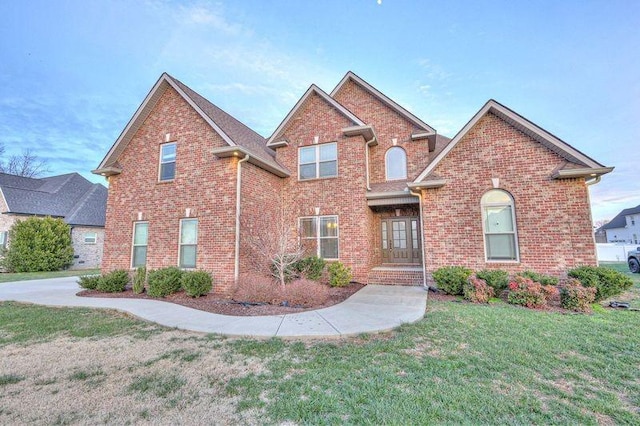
[69, 196]
[619, 221]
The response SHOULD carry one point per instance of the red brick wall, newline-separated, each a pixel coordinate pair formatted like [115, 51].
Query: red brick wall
[204, 184]
[553, 216]
[343, 195]
[388, 125]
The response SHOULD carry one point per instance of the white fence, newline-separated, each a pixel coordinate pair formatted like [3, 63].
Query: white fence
[610, 252]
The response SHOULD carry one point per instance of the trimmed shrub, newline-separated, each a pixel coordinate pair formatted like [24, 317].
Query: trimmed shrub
[256, 288]
[577, 298]
[539, 278]
[451, 279]
[196, 283]
[304, 292]
[551, 293]
[139, 280]
[89, 282]
[38, 244]
[608, 282]
[114, 281]
[311, 267]
[476, 290]
[339, 275]
[163, 282]
[496, 278]
[525, 292]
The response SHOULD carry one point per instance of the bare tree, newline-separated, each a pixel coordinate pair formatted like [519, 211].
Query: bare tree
[599, 223]
[26, 164]
[272, 244]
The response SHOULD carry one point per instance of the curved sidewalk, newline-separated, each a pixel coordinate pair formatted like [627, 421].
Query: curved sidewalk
[374, 308]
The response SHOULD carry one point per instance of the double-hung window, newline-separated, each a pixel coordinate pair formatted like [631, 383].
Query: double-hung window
[140, 237]
[322, 233]
[3, 239]
[90, 237]
[188, 243]
[499, 225]
[167, 162]
[318, 161]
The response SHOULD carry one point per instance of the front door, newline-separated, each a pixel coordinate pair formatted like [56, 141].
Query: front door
[400, 240]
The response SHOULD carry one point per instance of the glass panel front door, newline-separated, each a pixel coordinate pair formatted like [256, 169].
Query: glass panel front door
[400, 240]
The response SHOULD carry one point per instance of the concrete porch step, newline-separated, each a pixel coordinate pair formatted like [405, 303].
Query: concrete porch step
[396, 275]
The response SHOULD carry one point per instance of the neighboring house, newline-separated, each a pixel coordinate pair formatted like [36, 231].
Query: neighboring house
[625, 227]
[600, 235]
[365, 181]
[80, 203]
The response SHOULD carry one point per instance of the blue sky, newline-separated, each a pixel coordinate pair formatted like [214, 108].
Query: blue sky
[72, 73]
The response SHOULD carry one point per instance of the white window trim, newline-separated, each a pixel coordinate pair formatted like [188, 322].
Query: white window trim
[95, 238]
[133, 242]
[513, 221]
[318, 237]
[386, 165]
[4, 239]
[180, 242]
[317, 162]
[160, 163]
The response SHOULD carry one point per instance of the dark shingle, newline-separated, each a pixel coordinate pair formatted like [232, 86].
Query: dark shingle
[68, 196]
[619, 221]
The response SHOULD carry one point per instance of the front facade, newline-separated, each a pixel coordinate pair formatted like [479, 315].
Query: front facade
[80, 203]
[359, 178]
[624, 228]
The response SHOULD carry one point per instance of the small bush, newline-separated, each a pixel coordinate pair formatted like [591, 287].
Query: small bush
[114, 281]
[539, 278]
[496, 278]
[577, 298]
[311, 267]
[256, 288]
[139, 280]
[163, 282]
[196, 283]
[608, 282]
[476, 290]
[551, 293]
[451, 279]
[339, 275]
[303, 292]
[525, 292]
[89, 282]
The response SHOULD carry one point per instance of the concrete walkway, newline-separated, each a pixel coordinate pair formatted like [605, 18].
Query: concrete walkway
[374, 308]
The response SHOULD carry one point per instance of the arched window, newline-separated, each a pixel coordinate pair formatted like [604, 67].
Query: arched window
[499, 226]
[396, 163]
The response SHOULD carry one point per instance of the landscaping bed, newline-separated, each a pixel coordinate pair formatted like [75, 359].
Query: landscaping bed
[220, 305]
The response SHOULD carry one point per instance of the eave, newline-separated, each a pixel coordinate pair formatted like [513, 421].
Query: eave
[107, 171]
[427, 184]
[587, 172]
[366, 132]
[390, 198]
[239, 151]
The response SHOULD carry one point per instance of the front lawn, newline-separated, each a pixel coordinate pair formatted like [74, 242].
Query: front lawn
[463, 363]
[24, 276]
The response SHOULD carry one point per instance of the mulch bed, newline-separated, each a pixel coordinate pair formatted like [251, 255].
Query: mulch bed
[225, 306]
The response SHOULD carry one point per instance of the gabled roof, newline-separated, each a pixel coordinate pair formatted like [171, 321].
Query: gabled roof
[351, 76]
[313, 89]
[619, 221]
[231, 130]
[586, 166]
[69, 196]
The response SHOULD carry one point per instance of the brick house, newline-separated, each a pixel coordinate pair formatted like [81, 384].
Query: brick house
[80, 203]
[362, 179]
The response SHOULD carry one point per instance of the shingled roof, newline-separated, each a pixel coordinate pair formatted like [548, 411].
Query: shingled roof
[69, 196]
[619, 221]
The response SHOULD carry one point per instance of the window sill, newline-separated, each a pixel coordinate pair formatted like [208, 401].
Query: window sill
[511, 262]
[162, 182]
[317, 179]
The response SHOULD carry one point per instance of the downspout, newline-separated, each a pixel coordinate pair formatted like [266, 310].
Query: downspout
[588, 183]
[236, 266]
[367, 144]
[424, 267]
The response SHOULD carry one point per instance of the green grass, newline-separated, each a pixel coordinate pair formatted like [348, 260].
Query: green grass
[160, 385]
[10, 379]
[22, 324]
[463, 364]
[24, 276]
[632, 296]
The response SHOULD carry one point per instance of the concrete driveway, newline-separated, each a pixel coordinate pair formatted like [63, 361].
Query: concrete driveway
[374, 308]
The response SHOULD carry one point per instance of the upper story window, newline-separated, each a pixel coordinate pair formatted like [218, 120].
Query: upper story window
[396, 163]
[318, 161]
[167, 161]
[499, 226]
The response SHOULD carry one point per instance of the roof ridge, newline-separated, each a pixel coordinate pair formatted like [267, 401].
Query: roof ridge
[61, 185]
[81, 202]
